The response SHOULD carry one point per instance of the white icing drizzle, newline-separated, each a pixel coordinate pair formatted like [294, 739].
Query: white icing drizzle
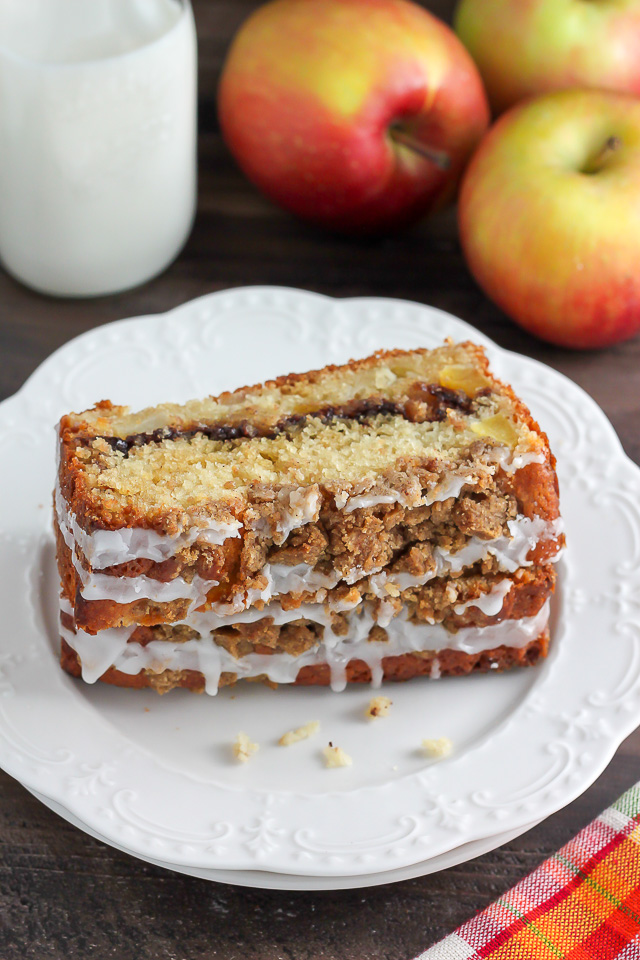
[510, 552]
[490, 603]
[134, 543]
[110, 648]
[357, 574]
[297, 508]
[297, 579]
[510, 462]
[281, 579]
[101, 586]
[341, 500]
[65, 606]
[447, 488]
[364, 501]
[303, 508]
[386, 613]
[108, 548]
[502, 457]
[440, 491]
[98, 652]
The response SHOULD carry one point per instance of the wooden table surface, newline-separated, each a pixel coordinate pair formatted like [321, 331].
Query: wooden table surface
[63, 894]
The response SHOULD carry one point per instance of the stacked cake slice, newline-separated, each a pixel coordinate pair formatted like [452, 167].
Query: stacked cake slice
[394, 517]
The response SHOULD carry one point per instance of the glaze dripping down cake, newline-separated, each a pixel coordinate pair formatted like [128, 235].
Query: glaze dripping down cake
[394, 517]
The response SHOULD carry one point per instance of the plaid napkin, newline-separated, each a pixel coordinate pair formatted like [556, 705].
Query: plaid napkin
[581, 904]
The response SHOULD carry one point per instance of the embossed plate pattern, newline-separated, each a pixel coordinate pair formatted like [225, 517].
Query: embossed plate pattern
[268, 880]
[154, 774]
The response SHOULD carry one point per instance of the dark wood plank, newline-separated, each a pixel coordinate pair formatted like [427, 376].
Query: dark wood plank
[62, 894]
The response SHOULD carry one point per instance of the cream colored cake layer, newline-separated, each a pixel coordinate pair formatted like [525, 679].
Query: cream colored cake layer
[184, 473]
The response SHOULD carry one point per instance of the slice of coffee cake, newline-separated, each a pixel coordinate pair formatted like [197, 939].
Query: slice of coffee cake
[293, 530]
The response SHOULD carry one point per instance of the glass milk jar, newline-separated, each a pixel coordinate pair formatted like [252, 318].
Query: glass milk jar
[97, 140]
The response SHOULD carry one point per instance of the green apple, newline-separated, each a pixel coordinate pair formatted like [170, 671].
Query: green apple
[357, 114]
[549, 216]
[528, 47]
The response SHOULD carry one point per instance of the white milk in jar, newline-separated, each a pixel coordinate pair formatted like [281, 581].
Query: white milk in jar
[97, 140]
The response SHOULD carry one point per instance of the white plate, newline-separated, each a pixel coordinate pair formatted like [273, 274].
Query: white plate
[287, 881]
[154, 774]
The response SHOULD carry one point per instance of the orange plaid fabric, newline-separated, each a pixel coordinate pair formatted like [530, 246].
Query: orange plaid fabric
[581, 904]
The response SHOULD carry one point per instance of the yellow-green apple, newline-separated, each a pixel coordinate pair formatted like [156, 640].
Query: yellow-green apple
[528, 47]
[357, 114]
[549, 216]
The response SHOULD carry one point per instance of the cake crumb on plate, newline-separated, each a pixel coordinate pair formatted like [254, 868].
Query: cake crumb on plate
[437, 749]
[243, 748]
[336, 757]
[301, 733]
[378, 707]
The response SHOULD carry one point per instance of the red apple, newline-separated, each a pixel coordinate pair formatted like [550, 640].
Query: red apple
[357, 114]
[529, 47]
[549, 216]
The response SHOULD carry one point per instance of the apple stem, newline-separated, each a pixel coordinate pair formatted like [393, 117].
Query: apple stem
[438, 157]
[597, 162]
